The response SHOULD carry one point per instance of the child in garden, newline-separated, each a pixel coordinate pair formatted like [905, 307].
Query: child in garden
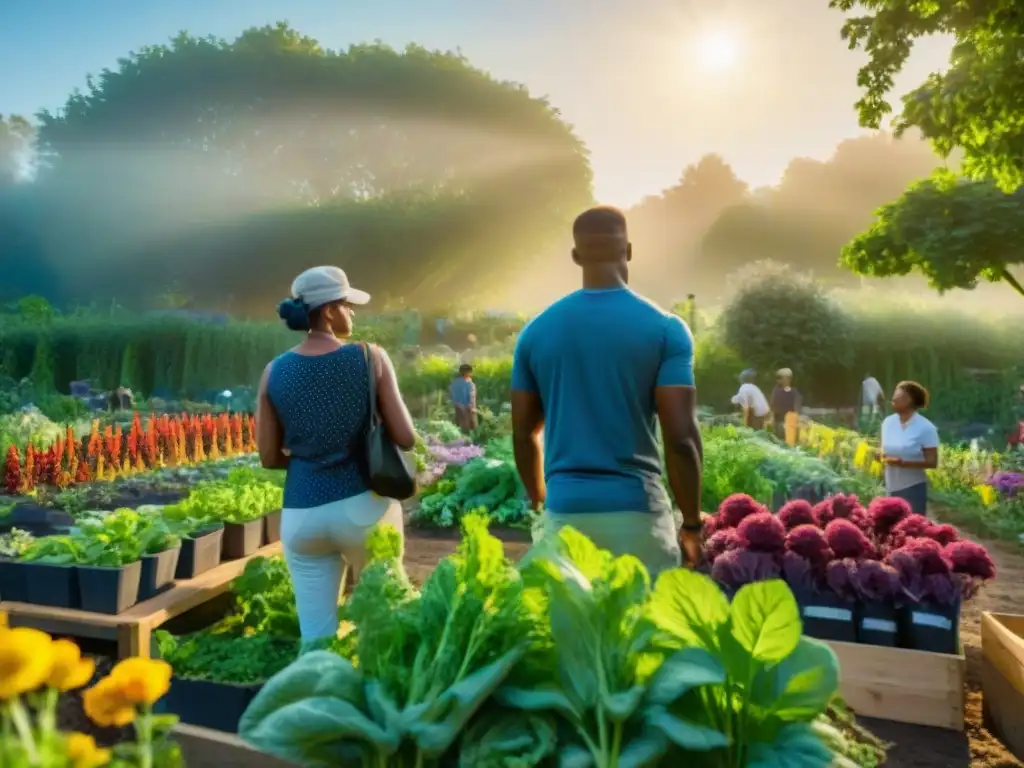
[752, 400]
[463, 394]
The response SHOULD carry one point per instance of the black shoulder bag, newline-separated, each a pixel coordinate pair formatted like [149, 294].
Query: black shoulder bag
[391, 473]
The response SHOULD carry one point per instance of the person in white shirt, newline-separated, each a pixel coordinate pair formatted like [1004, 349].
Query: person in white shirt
[872, 396]
[752, 400]
[910, 446]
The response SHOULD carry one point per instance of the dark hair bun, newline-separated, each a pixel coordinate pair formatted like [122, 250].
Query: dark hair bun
[295, 314]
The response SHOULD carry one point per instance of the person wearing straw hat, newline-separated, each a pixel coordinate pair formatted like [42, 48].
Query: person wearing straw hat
[785, 405]
[312, 415]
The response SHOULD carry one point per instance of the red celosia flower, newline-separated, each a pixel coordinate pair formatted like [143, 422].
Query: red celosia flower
[945, 534]
[735, 508]
[809, 542]
[847, 540]
[885, 513]
[799, 574]
[762, 532]
[797, 512]
[972, 566]
[911, 527]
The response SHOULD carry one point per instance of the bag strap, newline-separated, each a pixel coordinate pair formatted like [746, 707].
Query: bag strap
[371, 375]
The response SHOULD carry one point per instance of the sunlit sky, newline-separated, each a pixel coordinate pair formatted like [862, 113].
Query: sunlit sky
[651, 85]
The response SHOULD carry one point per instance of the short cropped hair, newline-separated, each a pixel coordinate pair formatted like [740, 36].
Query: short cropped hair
[601, 220]
[918, 395]
[465, 368]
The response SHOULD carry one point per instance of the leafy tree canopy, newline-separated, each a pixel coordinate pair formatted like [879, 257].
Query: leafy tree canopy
[956, 232]
[227, 166]
[975, 105]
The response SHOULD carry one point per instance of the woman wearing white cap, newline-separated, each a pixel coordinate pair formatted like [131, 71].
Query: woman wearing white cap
[312, 416]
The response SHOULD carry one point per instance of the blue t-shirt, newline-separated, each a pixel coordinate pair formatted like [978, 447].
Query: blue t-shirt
[595, 358]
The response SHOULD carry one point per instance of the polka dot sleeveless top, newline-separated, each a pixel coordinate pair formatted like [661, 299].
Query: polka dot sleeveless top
[324, 407]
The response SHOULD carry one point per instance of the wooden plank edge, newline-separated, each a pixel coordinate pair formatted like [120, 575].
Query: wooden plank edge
[206, 748]
[1003, 649]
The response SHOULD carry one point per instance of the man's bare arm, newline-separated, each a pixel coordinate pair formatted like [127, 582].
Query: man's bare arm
[684, 451]
[527, 424]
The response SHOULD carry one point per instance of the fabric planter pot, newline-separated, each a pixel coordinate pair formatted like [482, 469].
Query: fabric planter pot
[208, 704]
[158, 572]
[826, 616]
[52, 585]
[242, 539]
[109, 590]
[272, 528]
[13, 588]
[199, 553]
[930, 627]
[877, 623]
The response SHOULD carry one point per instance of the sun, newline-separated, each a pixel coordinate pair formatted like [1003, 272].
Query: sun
[718, 52]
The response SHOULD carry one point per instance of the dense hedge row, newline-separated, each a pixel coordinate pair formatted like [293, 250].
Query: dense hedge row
[179, 356]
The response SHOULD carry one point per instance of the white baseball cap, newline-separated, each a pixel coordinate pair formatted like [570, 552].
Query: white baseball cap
[322, 285]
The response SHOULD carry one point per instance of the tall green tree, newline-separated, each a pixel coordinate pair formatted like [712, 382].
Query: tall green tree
[225, 167]
[956, 232]
[975, 105]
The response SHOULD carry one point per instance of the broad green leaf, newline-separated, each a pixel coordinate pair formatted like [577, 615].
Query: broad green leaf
[507, 739]
[796, 746]
[539, 699]
[574, 617]
[575, 756]
[315, 731]
[383, 711]
[765, 620]
[458, 704]
[315, 674]
[592, 562]
[621, 705]
[690, 736]
[681, 672]
[644, 750]
[801, 686]
[689, 606]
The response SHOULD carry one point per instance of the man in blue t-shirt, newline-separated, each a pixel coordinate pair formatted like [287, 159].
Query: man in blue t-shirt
[591, 372]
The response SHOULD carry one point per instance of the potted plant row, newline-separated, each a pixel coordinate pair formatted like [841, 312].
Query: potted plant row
[878, 576]
[106, 564]
[247, 508]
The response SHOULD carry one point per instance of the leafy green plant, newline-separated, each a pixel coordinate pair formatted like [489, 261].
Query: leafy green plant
[217, 655]
[14, 543]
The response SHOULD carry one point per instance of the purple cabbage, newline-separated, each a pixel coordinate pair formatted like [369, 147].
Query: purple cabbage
[457, 453]
[1008, 484]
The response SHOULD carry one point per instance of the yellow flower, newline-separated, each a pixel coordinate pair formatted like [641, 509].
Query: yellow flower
[106, 705]
[142, 681]
[69, 670]
[83, 752]
[860, 458]
[876, 468]
[987, 494]
[25, 659]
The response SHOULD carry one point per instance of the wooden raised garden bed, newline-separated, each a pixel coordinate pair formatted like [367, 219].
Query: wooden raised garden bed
[1002, 678]
[902, 685]
[203, 748]
[132, 628]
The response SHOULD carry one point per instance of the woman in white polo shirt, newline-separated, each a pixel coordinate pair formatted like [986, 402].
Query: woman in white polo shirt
[910, 445]
[752, 400]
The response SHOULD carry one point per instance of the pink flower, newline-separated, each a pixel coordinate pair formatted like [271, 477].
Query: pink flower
[797, 512]
[762, 532]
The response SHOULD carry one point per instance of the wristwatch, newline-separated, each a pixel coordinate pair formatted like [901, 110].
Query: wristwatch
[693, 527]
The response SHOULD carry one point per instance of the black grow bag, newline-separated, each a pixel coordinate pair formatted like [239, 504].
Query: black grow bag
[930, 627]
[52, 585]
[13, 588]
[199, 553]
[242, 539]
[208, 704]
[158, 572]
[109, 590]
[878, 623]
[826, 616]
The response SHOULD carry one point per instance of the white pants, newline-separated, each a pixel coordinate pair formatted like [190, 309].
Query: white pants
[318, 542]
